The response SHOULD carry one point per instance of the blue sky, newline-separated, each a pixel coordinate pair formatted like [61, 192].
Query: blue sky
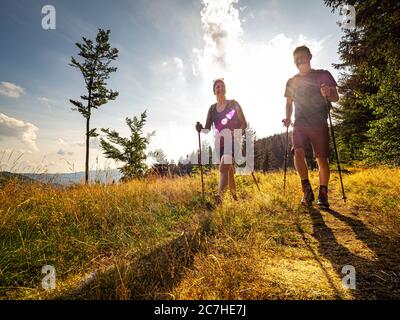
[166, 65]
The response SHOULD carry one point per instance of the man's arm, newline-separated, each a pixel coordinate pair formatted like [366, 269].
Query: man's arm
[329, 87]
[330, 93]
[334, 95]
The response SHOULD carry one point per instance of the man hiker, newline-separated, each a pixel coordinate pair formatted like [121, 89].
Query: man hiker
[309, 90]
[224, 115]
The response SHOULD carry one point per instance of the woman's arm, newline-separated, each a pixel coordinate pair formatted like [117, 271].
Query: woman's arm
[209, 120]
[242, 118]
[200, 127]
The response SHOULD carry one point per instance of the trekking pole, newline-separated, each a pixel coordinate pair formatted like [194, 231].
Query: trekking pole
[201, 165]
[252, 173]
[329, 105]
[285, 161]
[254, 178]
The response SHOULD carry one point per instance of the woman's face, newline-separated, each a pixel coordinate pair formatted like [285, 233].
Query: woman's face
[219, 88]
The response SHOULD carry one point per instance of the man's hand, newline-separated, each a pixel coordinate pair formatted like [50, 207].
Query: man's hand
[199, 127]
[287, 122]
[325, 90]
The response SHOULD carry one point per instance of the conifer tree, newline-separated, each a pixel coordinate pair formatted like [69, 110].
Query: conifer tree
[131, 152]
[95, 69]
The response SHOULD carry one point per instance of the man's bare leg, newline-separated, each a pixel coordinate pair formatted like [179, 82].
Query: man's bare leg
[302, 170]
[324, 174]
[300, 163]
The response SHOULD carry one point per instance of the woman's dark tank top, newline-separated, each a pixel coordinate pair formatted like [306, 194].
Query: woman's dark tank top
[227, 119]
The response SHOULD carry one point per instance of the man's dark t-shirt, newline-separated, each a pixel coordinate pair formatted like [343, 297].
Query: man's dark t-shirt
[305, 90]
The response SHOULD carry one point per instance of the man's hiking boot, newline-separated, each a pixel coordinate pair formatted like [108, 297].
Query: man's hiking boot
[308, 195]
[323, 197]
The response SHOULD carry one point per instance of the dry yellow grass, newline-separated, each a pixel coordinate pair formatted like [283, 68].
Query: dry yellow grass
[156, 239]
[267, 247]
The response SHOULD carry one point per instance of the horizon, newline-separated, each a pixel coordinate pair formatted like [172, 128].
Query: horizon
[169, 53]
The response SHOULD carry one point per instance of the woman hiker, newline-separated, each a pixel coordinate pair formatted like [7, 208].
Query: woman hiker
[225, 114]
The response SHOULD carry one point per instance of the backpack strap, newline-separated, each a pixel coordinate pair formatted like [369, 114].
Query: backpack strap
[235, 105]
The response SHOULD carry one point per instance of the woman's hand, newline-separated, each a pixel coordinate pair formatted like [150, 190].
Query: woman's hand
[199, 127]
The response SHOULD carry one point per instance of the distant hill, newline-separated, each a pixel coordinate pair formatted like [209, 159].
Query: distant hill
[77, 177]
[5, 176]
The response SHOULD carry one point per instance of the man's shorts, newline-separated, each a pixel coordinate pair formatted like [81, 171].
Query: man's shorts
[318, 136]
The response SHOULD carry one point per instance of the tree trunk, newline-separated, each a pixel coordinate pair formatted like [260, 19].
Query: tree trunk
[87, 151]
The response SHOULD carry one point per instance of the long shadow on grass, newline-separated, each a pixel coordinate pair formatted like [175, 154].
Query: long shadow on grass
[316, 257]
[151, 276]
[380, 279]
[375, 279]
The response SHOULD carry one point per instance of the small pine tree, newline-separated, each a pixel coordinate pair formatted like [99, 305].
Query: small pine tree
[133, 154]
[95, 70]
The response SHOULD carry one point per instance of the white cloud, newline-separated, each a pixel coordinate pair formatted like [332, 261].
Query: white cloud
[10, 90]
[44, 99]
[173, 65]
[61, 141]
[194, 70]
[94, 143]
[170, 74]
[255, 72]
[23, 131]
[222, 30]
[46, 102]
[178, 63]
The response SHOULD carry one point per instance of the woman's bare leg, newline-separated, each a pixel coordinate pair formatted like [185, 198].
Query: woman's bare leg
[224, 176]
[231, 181]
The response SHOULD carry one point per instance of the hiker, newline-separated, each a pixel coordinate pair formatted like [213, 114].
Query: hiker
[225, 114]
[309, 90]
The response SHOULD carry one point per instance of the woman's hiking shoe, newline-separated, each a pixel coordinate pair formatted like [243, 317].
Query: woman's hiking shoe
[323, 197]
[308, 194]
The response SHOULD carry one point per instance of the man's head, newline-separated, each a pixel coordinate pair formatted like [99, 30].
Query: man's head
[219, 87]
[302, 58]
